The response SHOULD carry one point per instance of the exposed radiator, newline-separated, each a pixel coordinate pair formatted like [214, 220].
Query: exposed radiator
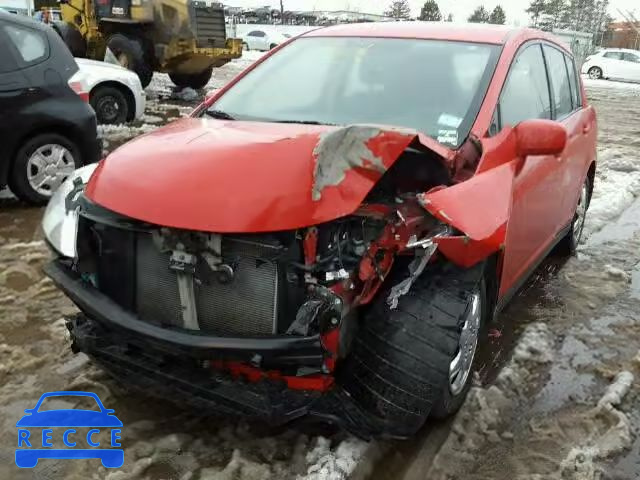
[246, 306]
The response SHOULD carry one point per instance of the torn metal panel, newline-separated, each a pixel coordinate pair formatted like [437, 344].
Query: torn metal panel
[478, 207]
[416, 267]
[355, 147]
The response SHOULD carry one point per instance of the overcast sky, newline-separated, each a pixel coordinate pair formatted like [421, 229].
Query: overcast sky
[461, 9]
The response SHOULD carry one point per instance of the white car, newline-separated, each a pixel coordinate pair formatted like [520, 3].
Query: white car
[115, 93]
[262, 40]
[619, 63]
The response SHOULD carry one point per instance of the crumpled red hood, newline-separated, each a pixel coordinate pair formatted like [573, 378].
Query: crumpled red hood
[230, 176]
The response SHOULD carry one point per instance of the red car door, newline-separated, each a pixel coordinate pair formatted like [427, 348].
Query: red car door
[538, 196]
[580, 123]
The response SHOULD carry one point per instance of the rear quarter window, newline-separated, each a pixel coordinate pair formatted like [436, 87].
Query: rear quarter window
[573, 82]
[560, 86]
[31, 45]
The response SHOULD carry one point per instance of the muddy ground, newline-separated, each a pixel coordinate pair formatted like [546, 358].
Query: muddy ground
[556, 396]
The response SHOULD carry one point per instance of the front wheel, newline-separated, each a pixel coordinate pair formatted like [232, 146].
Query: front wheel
[110, 105]
[42, 164]
[196, 80]
[417, 360]
[595, 73]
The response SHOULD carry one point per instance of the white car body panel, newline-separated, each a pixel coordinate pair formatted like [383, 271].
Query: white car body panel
[93, 73]
[614, 67]
[263, 43]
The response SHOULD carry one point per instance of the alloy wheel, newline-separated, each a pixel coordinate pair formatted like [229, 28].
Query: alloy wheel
[581, 213]
[461, 366]
[48, 167]
[595, 73]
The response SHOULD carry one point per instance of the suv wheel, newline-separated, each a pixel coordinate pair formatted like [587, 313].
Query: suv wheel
[418, 359]
[110, 105]
[41, 165]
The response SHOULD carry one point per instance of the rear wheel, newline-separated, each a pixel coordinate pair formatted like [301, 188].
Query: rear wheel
[418, 359]
[197, 80]
[569, 244]
[130, 54]
[110, 105]
[595, 73]
[41, 165]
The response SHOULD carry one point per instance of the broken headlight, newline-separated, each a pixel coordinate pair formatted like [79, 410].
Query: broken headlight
[60, 222]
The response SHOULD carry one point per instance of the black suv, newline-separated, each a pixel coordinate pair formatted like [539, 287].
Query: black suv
[47, 128]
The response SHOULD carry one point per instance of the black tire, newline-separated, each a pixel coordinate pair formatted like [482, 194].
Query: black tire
[72, 38]
[196, 81]
[595, 72]
[569, 243]
[398, 368]
[19, 177]
[110, 104]
[272, 46]
[132, 50]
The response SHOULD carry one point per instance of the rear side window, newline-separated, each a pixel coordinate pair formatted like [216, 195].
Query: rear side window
[631, 57]
[613, 55]
[31, 45]
[559, 81]
[525, 94]
[573, 82]
[256, 33]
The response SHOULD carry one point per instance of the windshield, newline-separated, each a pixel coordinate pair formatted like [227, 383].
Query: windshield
[435, 87]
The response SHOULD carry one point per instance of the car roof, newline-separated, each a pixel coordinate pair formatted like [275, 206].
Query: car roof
[463, 32]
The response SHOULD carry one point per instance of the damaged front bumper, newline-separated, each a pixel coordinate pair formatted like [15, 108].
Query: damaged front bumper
[171, 364]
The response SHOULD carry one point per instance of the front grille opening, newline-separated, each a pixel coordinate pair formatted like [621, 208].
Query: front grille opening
[132, 271]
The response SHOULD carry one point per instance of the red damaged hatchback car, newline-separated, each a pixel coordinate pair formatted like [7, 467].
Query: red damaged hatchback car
[331, 233]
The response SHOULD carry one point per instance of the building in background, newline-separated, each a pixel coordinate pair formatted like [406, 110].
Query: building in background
[622, 35]
[581, 43]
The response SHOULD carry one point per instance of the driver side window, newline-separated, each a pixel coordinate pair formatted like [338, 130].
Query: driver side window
[525, 94]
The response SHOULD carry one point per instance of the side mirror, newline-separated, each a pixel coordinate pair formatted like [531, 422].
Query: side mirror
[540, 137]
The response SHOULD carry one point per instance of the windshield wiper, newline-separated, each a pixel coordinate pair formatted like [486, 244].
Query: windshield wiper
[219, 114]
[304, 122]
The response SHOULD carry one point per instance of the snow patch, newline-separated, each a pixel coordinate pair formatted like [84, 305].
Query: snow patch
[187, 94]
[582, 462]
[610, 84]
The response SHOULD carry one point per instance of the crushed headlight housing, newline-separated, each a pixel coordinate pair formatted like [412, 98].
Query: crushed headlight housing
[60, 223]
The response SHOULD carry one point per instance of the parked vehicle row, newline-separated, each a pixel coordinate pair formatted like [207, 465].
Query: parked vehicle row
[263, 40]
[47, 105]
[331, 239]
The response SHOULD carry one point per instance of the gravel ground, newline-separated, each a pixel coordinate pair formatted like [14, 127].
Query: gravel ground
[555, 397]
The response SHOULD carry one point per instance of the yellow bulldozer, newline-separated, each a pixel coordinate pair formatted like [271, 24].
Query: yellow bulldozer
[184, 38]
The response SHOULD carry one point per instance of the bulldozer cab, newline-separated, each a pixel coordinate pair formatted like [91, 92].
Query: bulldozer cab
[113, 9]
